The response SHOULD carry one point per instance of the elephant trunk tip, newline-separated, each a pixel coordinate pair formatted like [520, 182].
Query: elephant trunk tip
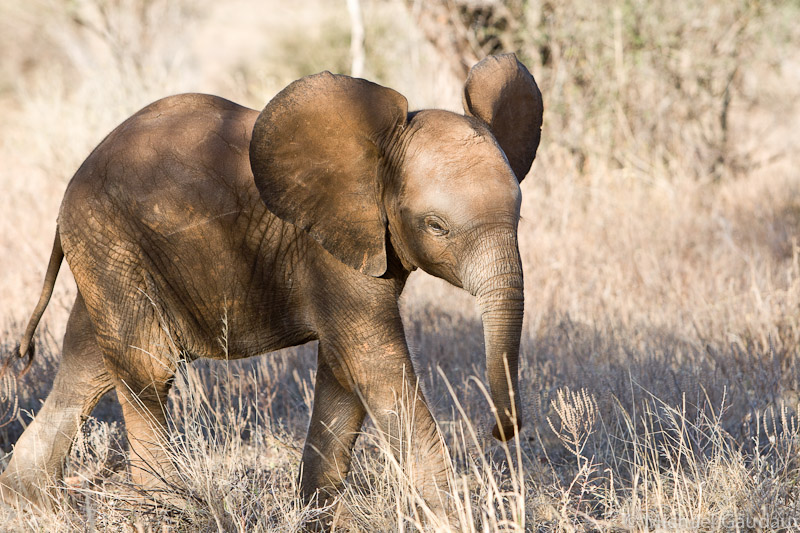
[507, 431]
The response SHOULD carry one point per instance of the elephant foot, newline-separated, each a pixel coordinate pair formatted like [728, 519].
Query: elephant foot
[26, 494]
[171, 496]
[335, 517]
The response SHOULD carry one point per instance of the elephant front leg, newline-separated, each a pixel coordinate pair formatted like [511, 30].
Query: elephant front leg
[383, 378]
[335, 422]
[397, 407]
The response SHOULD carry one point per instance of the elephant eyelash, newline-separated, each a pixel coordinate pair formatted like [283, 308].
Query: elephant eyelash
[436, 226]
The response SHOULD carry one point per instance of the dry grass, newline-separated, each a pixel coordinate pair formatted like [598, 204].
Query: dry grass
[660, 229]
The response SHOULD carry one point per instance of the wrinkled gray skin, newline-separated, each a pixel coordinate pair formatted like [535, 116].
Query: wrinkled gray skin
[299, 223]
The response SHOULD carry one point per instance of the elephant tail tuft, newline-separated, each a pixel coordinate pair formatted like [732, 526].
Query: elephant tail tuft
[27, 345]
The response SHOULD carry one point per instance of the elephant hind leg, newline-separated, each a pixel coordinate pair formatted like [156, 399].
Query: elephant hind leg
[143, 376]
[143, 406]
[38, 458]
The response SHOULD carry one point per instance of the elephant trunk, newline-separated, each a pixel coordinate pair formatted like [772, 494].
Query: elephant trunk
[498, 287]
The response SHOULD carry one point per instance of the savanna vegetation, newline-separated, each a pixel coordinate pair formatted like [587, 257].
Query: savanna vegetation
[660, 367]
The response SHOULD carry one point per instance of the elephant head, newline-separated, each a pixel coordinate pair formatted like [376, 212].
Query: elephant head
[384, 189]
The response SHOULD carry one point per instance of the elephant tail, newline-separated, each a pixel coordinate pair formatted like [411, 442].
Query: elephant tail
[27, 346]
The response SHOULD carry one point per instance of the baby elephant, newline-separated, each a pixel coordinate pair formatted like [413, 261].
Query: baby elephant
[298, 223]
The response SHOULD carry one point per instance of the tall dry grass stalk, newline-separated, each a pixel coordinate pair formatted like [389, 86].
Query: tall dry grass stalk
[659, 370]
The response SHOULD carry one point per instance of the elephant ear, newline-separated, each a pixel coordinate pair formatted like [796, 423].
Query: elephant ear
[316, 153]
[502, 93]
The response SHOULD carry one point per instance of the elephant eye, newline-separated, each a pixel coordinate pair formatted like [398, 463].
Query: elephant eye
[436, 226]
